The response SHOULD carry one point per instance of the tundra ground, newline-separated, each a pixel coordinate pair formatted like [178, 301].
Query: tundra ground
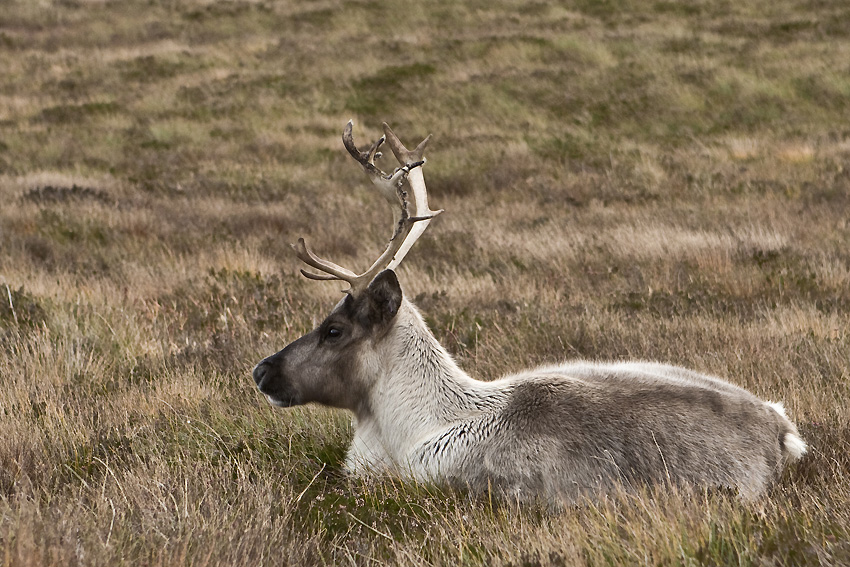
[621, 179]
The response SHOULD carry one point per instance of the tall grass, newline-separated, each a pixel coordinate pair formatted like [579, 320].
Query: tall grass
[622, 179]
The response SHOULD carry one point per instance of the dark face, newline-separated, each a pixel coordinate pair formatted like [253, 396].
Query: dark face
[328, 365]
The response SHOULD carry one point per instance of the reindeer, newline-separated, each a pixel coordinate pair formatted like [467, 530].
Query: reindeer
[555, 434]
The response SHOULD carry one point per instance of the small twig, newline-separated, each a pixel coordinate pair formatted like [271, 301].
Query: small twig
[368, 527]
[663, 460]
[111, 524]
[111, 330]
[76, 474]
[11, 305]
[312, 480]
[114, 477]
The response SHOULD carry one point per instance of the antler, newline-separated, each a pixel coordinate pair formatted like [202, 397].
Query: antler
[410, 209]
[416, 181]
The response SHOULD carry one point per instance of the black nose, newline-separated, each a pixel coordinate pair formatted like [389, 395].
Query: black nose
[261, 372]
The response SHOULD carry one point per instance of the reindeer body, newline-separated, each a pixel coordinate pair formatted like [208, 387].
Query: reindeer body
[554, 434]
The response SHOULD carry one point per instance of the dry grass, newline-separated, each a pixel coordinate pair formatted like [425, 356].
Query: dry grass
[665, 181]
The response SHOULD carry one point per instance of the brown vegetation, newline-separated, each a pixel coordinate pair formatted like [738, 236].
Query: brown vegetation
[622, 179]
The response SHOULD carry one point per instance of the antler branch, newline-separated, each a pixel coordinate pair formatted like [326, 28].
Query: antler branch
[410, 209]
[416, 181]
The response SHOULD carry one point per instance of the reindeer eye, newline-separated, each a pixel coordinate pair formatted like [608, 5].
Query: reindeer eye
[333, 333]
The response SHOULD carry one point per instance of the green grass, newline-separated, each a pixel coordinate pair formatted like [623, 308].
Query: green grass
[621, 179]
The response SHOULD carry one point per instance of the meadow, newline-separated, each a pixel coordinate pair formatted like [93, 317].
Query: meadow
[622, 179]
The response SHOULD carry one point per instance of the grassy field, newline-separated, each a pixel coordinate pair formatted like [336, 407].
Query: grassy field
[622, 179]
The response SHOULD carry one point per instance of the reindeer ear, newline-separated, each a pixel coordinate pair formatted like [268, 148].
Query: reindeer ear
[384, 295]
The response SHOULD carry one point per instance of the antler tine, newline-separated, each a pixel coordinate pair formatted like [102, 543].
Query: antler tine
[390, 187]
[388, 184]
[402, 154]
[367, 158]
[332, 271]
[418, 191]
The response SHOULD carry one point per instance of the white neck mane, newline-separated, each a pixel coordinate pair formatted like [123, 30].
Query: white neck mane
[418, 390]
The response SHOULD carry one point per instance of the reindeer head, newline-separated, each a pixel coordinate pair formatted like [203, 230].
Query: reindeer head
[335, 363]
